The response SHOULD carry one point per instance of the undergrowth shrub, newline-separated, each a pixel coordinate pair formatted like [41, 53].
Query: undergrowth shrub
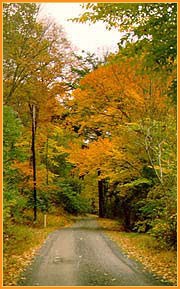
[157, 214]
[72, 201]
[165, 231]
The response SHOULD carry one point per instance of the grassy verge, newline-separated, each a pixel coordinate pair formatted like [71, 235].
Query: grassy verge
[145, 249]
[23, 240]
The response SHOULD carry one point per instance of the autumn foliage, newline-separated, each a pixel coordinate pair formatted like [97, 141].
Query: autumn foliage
[103, 134]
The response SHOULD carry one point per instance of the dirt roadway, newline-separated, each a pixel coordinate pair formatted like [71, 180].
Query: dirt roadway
[83, 256]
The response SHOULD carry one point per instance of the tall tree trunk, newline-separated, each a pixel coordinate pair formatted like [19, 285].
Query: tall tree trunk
[101, 192]
[34, 159]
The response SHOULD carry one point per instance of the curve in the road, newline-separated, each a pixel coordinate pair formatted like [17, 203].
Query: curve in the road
[83, 256]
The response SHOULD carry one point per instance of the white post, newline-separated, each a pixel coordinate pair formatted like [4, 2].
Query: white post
[45, 220]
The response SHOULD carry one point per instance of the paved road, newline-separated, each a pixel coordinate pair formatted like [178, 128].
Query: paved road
[83, 256]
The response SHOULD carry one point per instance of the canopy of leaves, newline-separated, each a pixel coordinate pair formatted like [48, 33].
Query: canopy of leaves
[155, 24]
[149, 28]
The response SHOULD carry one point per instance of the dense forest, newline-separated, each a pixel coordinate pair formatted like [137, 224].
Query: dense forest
[89, 135]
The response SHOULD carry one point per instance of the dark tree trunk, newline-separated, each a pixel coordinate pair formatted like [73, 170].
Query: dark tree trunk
[33, 148]
[101, 191]
[127, 216]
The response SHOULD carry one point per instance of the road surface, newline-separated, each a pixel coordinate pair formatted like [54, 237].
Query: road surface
[83, 256]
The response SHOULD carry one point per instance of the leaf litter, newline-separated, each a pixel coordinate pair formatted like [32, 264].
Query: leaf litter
[143, 248]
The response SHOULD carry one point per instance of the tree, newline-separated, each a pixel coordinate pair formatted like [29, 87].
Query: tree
[121, 113]
[84, 64]
[111, 94]
[13, 200]
[33, 69]
[149, 28]
[146, 23]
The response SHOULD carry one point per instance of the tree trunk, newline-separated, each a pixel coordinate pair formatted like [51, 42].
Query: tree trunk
[127, 217]
[101, 191]
[34, 159]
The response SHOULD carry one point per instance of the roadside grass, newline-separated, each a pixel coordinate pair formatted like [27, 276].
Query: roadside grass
[23, 240]
[145, 249]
